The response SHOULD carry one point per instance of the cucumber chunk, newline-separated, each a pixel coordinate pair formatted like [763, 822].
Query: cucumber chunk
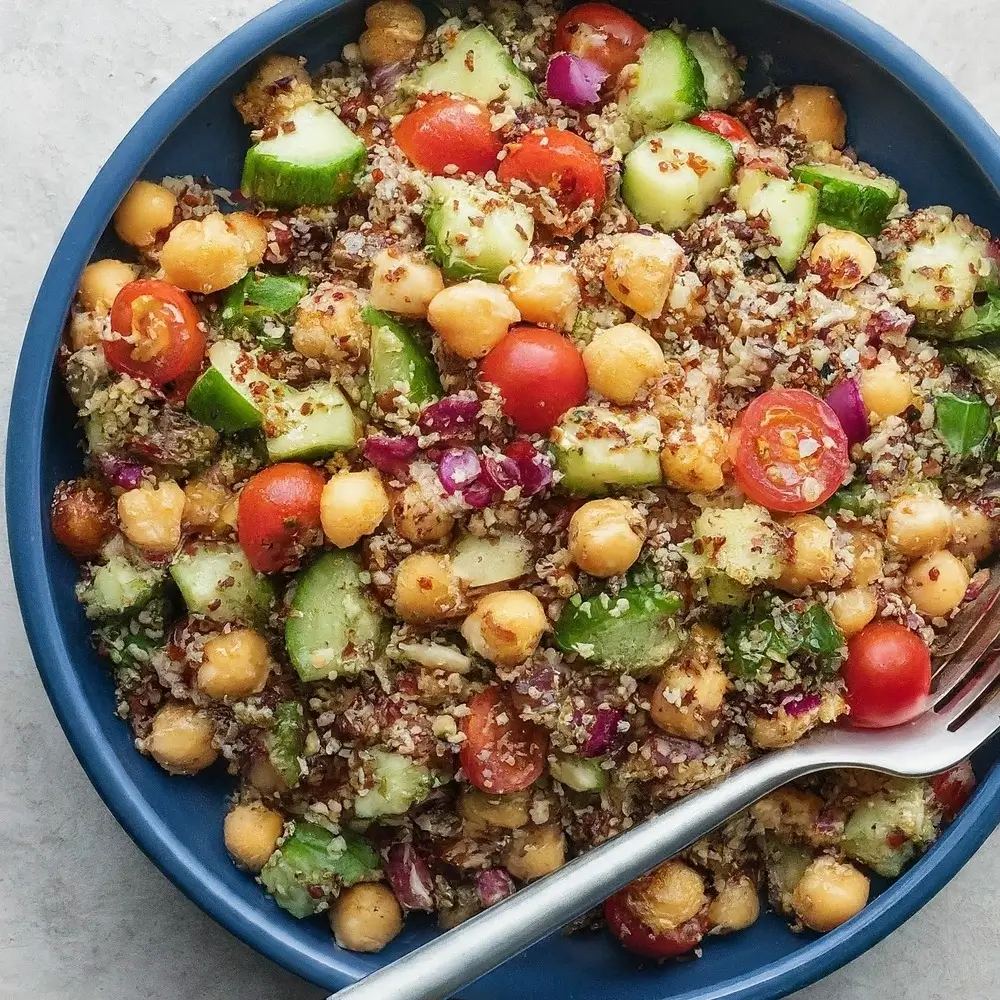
[597, 449]
[848, 199]
[118, 587]
[398, 782]
[399, 361]
[286, 741]
[476, 65]
[334, 629]
[311, 424]
[792, 210]
[483, 562]
[743, 543]
[316, 164]
[872, 833]
[634, 631]
[227, 396]
[673, 177]
[666, 85]
[474, 233]
[723, 79]
[217, 582]
[582, 774]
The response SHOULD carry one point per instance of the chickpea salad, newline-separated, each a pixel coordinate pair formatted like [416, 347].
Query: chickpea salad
[545, 429]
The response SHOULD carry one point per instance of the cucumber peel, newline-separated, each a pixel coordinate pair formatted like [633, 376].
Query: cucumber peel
[792, 210]
[399, 361]
[848, 199]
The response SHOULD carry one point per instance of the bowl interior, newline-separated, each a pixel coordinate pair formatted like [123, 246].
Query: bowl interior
[178, 821]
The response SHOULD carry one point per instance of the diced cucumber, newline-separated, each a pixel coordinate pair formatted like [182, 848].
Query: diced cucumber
[311, 424]
[217, 582]
[634, 631]
[848, 199]
[118, 587]
[398, 782]
[666, 85]
[744, 543]
[286, 741]
[784, 864]
[723, 79]
[314, 164]
[723, 591]
[792, 210]
[597, 449]
[230, 395]
[129, 642]
[483, 562]
[399, 362]
[334, 628]
[674, 176]
[474, 233]
[476, 65]
[884, 831]
[582, 774]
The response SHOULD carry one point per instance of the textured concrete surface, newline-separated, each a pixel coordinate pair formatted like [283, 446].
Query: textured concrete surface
[83, 913]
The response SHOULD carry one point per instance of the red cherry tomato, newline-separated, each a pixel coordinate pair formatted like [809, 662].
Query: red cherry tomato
[539, 374]
[562, 162]
[789, 451]
[501, 752]
[602, 34]
[166, 336]
[724, 125]
[888, 675]
[953, 788]
[449, 130]
[278, 516]
[626, 925]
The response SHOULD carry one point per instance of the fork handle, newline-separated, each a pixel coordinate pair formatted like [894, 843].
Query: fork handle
[460, 956]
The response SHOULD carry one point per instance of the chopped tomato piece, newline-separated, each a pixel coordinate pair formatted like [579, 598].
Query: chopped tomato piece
[723, 125]
[449, 131]
[602, 34]
[627, 926]
[953, 788]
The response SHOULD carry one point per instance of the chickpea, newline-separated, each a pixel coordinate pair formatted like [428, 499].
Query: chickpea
[791, 813]
[479, 809]
[101, 282]
[234, 665]
[280, 85]
[427, 589]
[918, 524]
[815, 113]
[264, 776]
[151, 517]
[404, 283]
[209, 254]
[83, 519]
[622, 361]
[886, 391]
[844, 259]
[353, 504]
[973, 534]
[937, 584]
[180, 739]
[546, 293]
[365, 917]
[829, 893]
[421, 516]
[606, 537]
[641, 271]
[505, 627]
[533, 853]
[329, 325]
[204, 502]
[868, 561]
[251, 834]
[668, 896]
[395, 29]
[772, 732]
[693, 457]
[736, 907]
[812, 560]
[144, 213]
[689, 697]
[853, 609]
[473, 317]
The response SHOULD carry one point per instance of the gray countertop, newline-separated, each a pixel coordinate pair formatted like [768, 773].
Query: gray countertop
[83, 912]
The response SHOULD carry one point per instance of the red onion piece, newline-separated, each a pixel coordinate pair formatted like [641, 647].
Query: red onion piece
[573, 80]
[603, 733]
[479, 495]
[493, 886]
[120, 472]
[501, 472]
[451, 415]
[801, 704]
[670, 750]
[409, 878]
[390, 454]
[385, 78]
[845, 400]
[533, 466]
[458, 470]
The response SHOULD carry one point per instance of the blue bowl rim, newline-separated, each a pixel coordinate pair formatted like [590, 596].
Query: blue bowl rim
[26, 509]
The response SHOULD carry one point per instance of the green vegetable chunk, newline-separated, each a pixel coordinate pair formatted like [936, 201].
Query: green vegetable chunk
[858, 499]
[311, 867]
[217, 582]
[848, 199]
[582, 774]
[399, 361]
[791, 209]
[885, 830]
[963, 421]
[981, 360]
[229, 396]
[286, 741]
[262, 299]
[118, 587]
[397, 782]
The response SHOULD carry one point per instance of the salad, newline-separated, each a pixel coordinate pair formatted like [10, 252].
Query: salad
[544, 429]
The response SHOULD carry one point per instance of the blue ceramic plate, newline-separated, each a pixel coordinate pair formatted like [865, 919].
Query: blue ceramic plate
[904, 117]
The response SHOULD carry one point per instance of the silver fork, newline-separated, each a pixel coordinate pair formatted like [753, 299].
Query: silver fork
[960, 716]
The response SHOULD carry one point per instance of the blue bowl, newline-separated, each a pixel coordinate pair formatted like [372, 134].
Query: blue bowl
[904, 117]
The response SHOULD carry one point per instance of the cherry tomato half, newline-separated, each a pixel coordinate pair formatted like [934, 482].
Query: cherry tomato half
[449, 130]
[563, 163]
[539, 374]
[501, 752]
[789, 451]
[888, 675]
[719, 123]
[166, 337]
[602, 34]
[278, 516]
[953, 788]
[627, 926]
